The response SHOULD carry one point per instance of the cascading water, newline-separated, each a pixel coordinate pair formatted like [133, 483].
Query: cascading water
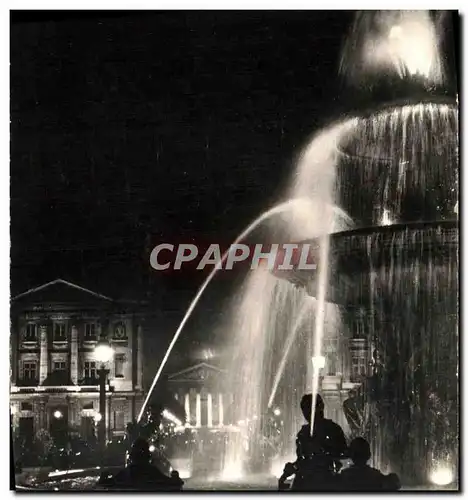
[265, 320]
[386, 276]
[295, 205]
[394, 164]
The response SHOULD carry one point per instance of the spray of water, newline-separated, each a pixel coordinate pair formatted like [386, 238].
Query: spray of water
[305, 311]
[400, 43]
[305, 205]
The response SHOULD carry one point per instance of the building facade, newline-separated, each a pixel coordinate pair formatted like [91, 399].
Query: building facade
[54, 385]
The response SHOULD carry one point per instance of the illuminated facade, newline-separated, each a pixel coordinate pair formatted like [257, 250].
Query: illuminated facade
[54, 385]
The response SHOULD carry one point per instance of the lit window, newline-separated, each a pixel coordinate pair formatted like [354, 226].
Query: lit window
[90, 370]
[29, 370]
[59, 332]
[119, 361]
[30, 334]
[90, 330]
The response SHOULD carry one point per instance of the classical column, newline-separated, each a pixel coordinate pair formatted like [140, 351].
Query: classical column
[209, 404]
[74, 355]
[44, 355]
[198, 411]
[187, 408]
[139, 368]
[40, 417]
[221, 410]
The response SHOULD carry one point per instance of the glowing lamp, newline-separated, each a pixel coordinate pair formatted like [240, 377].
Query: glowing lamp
[103, 353]
[58, 414]
[277, 412]
[97, 417]
[442, 476]
[152, 448]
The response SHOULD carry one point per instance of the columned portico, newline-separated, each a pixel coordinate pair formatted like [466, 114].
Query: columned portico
[197, 388]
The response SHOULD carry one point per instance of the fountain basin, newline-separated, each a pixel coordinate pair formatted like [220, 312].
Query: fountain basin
[405, 157]
[359, 252]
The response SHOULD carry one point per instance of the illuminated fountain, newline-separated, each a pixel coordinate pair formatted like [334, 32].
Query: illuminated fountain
[393, 278]
[387, 268]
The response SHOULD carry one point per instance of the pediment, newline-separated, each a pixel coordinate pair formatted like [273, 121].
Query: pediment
[59, 292]
[202, 372]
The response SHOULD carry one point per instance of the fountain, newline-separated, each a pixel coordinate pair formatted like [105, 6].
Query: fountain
[392, 279]
[387, 270]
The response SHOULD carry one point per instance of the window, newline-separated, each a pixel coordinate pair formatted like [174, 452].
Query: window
[119, 420]
[60, 366]
[31, 332]
[26, 407]
[119, 331]
[90, 369]
[29, 370]
[359, 365]
[119, 362]
[90, 330]
[88, 406]
[331, 350]
[59, 332]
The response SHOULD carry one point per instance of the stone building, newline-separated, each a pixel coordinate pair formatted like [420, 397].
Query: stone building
[54, 332]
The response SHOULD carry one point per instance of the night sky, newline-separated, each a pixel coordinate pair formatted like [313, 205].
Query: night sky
[130, 129]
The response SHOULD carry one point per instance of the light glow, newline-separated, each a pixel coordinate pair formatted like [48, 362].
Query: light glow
[318, 362]
[277, 412]
[103, 353]
[232, 472]
[171, 417]
[401, 42]
[58, 414]
[97, 417]
[386, 220]
[442, 476]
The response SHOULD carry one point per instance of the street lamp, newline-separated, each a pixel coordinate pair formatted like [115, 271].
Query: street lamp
[103, 354]
[58, 414]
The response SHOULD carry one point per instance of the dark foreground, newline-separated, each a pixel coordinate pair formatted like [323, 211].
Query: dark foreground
[86, 480]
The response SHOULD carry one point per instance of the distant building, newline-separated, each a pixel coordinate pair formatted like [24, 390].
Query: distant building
[210, 411]
[54, 331]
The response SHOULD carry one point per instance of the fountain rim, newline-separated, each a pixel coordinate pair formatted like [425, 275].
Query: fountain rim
[391, 228]
[383, 106]
[386, 107]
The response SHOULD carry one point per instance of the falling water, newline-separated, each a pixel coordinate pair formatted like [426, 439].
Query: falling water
[387, 168]
[296, 204]
[305, 311]
[402, 43]
[266, 311]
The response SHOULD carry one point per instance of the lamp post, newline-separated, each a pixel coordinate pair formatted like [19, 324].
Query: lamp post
[103, 354]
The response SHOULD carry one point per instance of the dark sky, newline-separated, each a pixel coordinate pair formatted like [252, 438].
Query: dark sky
[129, 129]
